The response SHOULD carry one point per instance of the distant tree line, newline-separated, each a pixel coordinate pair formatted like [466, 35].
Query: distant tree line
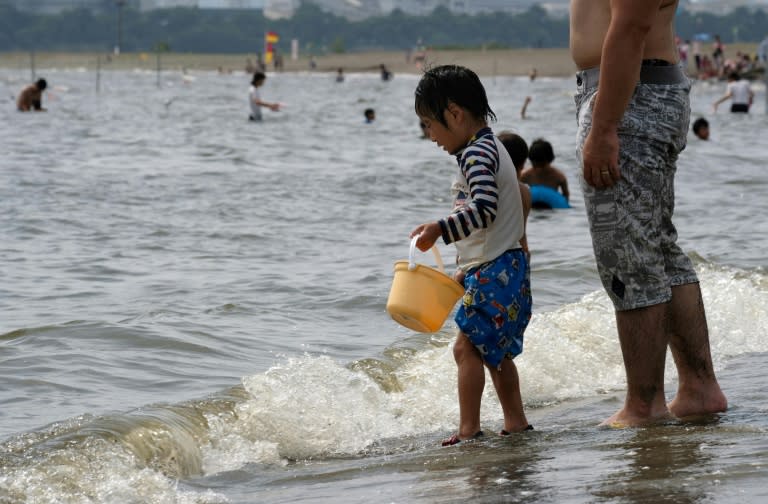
[241, 31]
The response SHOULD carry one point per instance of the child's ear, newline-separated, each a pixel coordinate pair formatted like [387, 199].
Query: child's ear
[455, 112]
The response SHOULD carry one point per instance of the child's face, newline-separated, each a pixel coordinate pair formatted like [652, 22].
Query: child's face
[451, 138]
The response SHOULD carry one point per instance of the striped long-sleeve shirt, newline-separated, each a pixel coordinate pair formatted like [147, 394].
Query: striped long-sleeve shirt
[487, 217]
[478, 163]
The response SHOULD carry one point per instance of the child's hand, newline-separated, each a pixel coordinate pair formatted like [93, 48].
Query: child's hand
[428, 235]
[459, 276]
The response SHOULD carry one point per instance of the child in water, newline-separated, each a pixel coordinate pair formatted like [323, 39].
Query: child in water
[486, 225]
[254, 97]
[542, 172]
[31, 98]
[701, 128]
[518, 151]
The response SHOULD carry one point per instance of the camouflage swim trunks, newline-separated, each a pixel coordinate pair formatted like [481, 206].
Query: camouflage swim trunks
[633, 237]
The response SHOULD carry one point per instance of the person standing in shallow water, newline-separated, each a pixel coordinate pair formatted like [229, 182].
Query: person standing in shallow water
[254, 97]
[385, 73]
[739, 92]
[487, 226]
[628, 157]
[31, 98]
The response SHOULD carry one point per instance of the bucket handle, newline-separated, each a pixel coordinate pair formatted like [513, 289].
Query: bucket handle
[412, 253]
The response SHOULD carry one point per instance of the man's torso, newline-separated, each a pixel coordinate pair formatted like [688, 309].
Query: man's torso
[590, 20]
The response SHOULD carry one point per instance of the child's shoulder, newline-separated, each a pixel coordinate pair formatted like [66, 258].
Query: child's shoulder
[483, 140]
[483, 149]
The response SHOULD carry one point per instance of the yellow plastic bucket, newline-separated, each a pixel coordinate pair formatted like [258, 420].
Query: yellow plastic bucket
[421, 298]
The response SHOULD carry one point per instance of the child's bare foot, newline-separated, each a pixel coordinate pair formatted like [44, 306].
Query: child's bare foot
[506, 432]
[455, 439]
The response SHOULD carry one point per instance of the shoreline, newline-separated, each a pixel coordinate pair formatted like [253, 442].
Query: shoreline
[553, 62]
[548, 62]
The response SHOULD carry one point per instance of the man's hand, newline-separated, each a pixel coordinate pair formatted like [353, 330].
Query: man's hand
[601, 158]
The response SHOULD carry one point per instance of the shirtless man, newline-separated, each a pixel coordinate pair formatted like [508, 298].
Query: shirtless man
[629, 140]
[31, 97]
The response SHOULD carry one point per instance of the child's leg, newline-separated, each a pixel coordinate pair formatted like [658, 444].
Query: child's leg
[471, 384]
[507, 386]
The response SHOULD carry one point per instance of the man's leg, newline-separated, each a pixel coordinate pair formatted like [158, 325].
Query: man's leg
[471, 379]
[698, 392]
[643, 338]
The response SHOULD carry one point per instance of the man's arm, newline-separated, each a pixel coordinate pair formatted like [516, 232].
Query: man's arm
[620, 63]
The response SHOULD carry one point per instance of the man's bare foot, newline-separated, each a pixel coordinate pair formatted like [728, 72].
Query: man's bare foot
[686, 405]
[623, 420]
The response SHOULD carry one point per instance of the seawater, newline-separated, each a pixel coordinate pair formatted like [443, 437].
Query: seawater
[193, 305]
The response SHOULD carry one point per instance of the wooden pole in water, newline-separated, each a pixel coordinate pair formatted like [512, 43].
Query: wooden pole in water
[158, 69]
[98, 74]
[32, 64]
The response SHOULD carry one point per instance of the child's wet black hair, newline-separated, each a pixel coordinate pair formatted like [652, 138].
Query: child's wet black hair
[541, 152]
[700, 123]
[446, 84]
[258, 76]
[516, 147]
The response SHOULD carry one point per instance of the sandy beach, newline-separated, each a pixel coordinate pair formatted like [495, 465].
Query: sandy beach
[548, 62]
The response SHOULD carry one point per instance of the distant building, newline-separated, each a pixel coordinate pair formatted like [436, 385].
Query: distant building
[485, 6]
[361, 9]
[355, 9]
[416, 7]
[230, 4]
[146, 5]
[201, 4]
[57, 6]
[280, 9]
[721, 7]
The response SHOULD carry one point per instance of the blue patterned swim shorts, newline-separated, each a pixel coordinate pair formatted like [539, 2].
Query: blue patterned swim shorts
[496, 307]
